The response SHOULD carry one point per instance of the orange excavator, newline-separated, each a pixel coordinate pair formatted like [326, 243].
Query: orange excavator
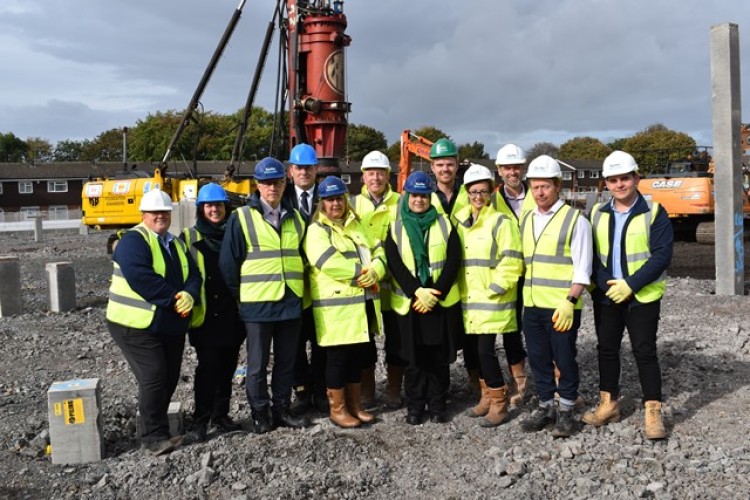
[411, 145]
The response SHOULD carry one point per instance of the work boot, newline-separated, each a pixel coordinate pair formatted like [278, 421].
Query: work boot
[578, 403]
[607, 411]
[519, 378]
[498, 411]
[262, 420]
[338, 413]
[474, 384]
[353, 397]
[483, 406]
[199, 434]
[539, 419]
[283, 417]
[226, 424]
[564, 424]
[654, 426]
[368, 387]
[302, 401]
[159, 448]
[393, 399]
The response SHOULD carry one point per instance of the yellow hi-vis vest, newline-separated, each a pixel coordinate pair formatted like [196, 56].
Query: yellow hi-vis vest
[437, 252]
[549, 264]
[336, 257]
[492, 265]
[191, 236]
[637, 247]
[462, 200]
[273, 260]
[127, 308]
[376, 220]
[498, 203]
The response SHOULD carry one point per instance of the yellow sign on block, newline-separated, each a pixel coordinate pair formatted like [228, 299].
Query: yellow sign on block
[72, 410]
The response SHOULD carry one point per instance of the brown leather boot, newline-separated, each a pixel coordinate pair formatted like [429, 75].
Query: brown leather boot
[519, 377]
[654, 426]
[476, 388]
[368, 387]
[483, 406]
[353, 397]
[337, 410]
[607, 411]
[393, 399]
[498, 412]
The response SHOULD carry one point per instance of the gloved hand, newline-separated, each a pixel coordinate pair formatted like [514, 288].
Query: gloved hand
[563, 316]
[368, 277]
[618, 291]
[427, 296]
[420, 306]
[184, 303]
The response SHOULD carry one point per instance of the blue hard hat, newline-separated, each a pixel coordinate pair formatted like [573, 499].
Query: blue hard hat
[331, 186]
[303, 155]
[418, 183]
[211, 193]
[269, 169]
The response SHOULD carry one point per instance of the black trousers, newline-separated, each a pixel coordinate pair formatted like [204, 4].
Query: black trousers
[309, 375]
[155, 361]
[344, 364]
[285, 337]
[482, 348]
[642, 323]
[213, 381]
[392, 339]
[427, 381]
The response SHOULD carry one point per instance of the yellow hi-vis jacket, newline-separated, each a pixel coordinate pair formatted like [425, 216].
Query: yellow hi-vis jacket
[437, 252]
[337, 254]
[637, 247]
[127, 308]
[462, 200]
[191, 236]
[273, 260]
[549, 264]
[492, 264]
[376, 220]
[498, 203]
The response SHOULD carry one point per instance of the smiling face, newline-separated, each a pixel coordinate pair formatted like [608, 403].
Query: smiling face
[479, 194]
[376, 180]
[512, 176]
[334, 207]
[445, 170]
[623, 188]
[419, 203]
[546, 192]
[214, 212]
[271, 190]
[158, 222]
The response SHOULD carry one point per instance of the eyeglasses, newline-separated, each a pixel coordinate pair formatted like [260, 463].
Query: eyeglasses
[477, 194]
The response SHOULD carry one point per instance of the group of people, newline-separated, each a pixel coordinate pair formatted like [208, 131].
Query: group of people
[442, 267]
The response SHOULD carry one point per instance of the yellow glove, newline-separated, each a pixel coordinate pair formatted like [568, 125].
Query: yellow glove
[563, 316]
[427, 296]
[618, 291]
[368, 277]
[184, 303]
[420, 306]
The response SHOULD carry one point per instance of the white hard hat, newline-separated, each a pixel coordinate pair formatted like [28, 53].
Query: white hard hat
[476, 173]
[375, 159]
[544, 167]
[618, 163]
[510, 154]
[155, 200]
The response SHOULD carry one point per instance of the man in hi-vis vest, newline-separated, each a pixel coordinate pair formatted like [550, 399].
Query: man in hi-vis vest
[155, 284]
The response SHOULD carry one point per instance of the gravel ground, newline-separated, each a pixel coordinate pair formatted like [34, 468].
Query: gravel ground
[705, 358]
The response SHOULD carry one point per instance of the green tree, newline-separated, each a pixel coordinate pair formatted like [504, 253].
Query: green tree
[656, 146]
[12, 149]
[38, 150]
[473, 151]
[107, 146]
[583, 148]
[362, 139]
[542, 148]
[617, 144]
[67, 150]
[148, 140]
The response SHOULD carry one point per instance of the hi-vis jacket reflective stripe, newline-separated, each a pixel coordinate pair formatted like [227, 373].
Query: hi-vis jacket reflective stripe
[499, 204]
[492, 265]
[462, 200]
[437, 248]
[376, 220]
[637, 246]
[549, 264]
[336, 256]
[273, 260]
[127, 308]
[192, 236]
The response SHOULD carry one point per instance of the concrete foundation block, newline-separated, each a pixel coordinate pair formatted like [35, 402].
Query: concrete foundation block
[10, 291]
[75, 421]
[61, 284]
[176, 420]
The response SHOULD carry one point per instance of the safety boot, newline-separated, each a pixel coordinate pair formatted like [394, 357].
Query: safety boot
[654, 426]
[368, 387]
[353, 397]
[498, 412]
[607, 411]
[481, 409]
[579, 402]
[393, 388]
[518, 371]
[338, 413]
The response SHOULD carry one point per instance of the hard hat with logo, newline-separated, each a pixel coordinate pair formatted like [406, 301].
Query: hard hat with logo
[510, 154]
[476, 173]
[618, 163]
[155, 200]
[331, 186]
[418, 183]
[375, 159]
[544, 167]
[211, 193]
[303, 155]
[443, 148]
[269, 169]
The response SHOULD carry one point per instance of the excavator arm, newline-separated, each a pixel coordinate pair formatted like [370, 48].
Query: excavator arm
[411, 145]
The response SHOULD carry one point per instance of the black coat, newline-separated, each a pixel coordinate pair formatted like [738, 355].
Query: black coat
[290, 195]
[442, 327]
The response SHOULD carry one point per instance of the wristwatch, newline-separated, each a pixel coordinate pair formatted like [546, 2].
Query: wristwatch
[571, 299]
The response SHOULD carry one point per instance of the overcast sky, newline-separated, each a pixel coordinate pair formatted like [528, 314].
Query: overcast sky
[491, 71]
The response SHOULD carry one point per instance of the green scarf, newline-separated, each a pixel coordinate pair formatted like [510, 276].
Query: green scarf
[417, 227]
